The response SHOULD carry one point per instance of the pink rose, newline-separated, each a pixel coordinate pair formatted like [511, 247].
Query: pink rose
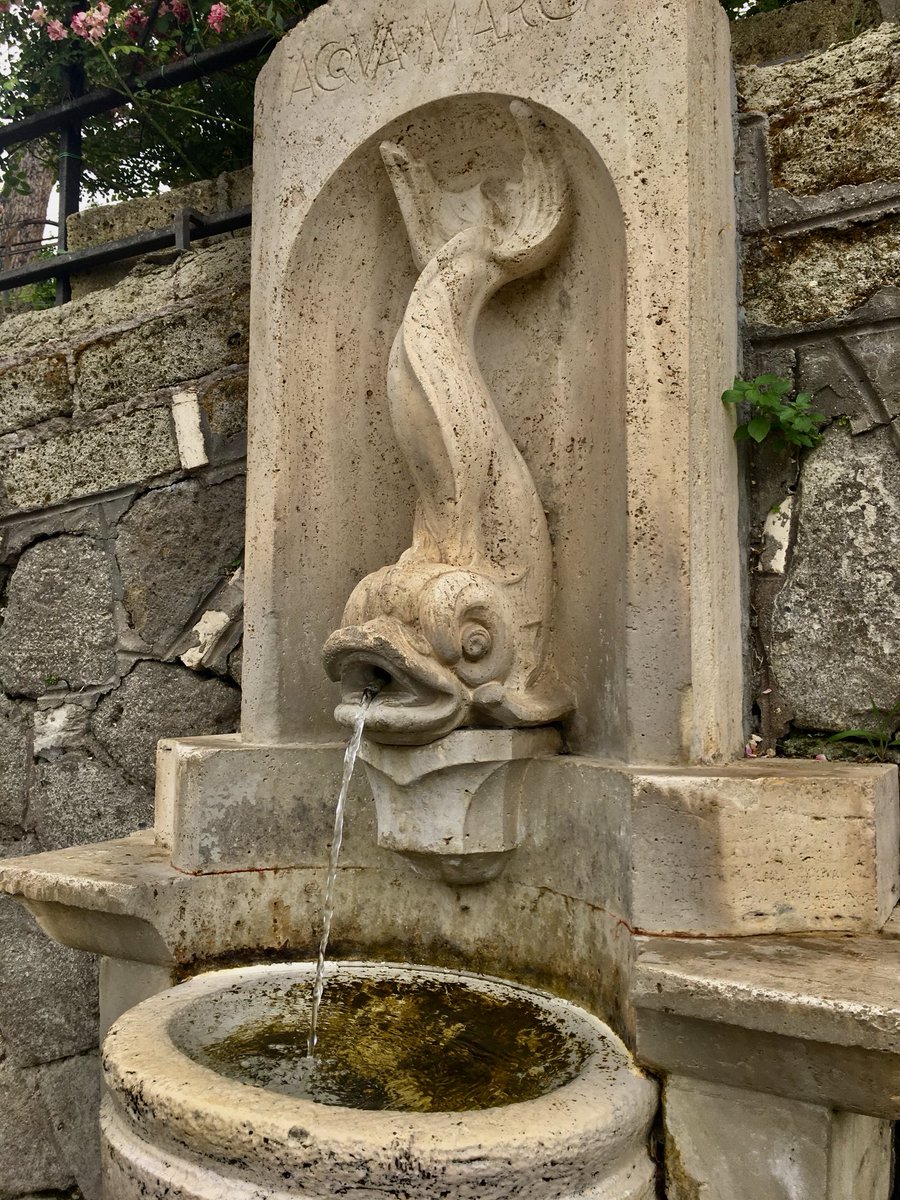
[216, 18]
[80, 25]
[56, 31]
[180, 10]
[39, 15]
[134, 21]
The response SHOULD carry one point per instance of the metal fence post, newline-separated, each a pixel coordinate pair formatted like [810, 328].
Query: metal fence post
[69, 177]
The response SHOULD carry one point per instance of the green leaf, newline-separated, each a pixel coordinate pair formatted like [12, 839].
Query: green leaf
[740, 434]
[732, 396]
[758, 428]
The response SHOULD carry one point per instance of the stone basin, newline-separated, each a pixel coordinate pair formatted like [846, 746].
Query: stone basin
[428, 1083]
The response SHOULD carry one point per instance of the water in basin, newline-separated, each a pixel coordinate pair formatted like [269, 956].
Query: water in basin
[418, 1042]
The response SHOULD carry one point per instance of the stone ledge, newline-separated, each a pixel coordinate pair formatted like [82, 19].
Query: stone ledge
[753, 847]
[814, 1018]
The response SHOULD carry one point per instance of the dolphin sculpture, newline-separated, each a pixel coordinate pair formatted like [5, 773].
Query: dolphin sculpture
[456, 632]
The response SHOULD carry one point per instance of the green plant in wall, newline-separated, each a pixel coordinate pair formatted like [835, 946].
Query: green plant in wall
[879, 737]
[774, 413]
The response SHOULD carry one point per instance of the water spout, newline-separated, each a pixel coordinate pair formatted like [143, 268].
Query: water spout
[350, 756]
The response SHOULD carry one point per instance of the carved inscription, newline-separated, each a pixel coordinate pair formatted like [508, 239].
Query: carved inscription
[447, 31]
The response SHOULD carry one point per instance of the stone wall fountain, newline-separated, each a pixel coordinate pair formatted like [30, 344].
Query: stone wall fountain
[494, 309]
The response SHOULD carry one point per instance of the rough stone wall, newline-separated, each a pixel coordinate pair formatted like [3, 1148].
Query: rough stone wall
[122, 438]
[819, 176]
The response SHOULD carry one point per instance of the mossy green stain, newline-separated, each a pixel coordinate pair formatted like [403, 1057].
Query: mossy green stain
[425, 1046]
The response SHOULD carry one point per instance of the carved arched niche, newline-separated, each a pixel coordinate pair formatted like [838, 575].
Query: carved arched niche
[552, 350]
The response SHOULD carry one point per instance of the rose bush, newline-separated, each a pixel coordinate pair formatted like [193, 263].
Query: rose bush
[159, 138]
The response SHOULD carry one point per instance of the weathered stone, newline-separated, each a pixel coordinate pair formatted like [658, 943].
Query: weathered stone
[137, 296]
[60, 727]
[220, 268]
[209, 642]
[224, 406]
[76, 800]
[48, 993]
[835, 640]
[71, 1092]
[819, 276]
[158, 700]
[33, 391]
[729, 1144]
[868, 61]
[807, 153]
[147, 290]
[857, 376]
[752, 174]
[83, 518]
[174, 546]
[107, 222]
[815, 1019]
[235, 663]
[15, 754]
[765, 847]
[186, 345]
[58, 623]
[85, 459]
[30, 1160]
[800, 28]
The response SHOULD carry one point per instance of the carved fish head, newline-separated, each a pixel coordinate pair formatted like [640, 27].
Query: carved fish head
[444, 649]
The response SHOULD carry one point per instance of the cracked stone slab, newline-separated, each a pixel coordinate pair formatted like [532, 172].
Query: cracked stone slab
[77, 799]
[58, 624]
[174, 546]
[835, 639]
[161, 700]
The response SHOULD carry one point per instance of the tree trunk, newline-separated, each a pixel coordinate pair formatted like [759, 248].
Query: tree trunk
[22, 217]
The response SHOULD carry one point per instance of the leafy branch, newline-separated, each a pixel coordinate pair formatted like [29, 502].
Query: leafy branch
[773, 411]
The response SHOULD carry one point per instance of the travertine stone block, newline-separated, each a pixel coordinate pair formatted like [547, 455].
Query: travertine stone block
[757, 847]
[812, 1018]
[765, 847]
[609, 385]
[124, 983]
[729, 1144]
[226, 805]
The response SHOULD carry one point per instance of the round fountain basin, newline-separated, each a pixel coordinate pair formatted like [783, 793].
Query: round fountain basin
[425, 1083]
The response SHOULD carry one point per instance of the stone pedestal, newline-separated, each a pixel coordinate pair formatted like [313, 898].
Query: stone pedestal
[732, 1144]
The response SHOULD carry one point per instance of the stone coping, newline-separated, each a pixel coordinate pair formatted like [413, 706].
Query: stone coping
[815, 1018]
[841, 989]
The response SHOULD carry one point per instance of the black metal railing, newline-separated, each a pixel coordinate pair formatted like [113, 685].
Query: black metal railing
[67, 119]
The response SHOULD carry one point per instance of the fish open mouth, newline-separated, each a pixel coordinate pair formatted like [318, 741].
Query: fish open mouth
[417, 699]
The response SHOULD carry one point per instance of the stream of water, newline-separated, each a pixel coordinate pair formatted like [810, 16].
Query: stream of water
[350, 755]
